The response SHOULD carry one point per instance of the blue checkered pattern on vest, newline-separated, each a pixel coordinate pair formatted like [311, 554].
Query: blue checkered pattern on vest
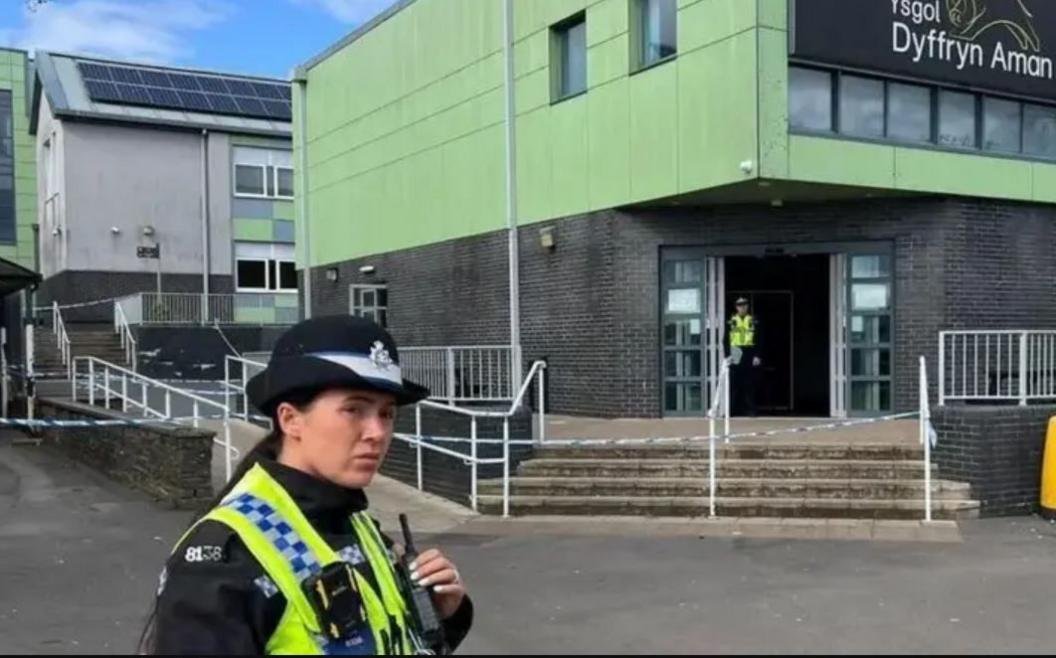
[301, 558]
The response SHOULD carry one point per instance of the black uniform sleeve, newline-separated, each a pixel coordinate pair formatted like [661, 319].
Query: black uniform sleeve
[209, 603]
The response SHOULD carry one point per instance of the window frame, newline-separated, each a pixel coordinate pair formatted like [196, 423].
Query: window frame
[558, 38]
[270, 168]
[272, 270]
[379, 312]
[638, 34]
[936, 91]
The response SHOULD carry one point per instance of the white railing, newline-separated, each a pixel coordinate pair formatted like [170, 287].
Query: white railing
[128, 339]
[721, 400]
[62, 339]
[997, 366]
[105, 382]
[236, 387]
[177, 308]
[925, 436]
[479, 373]
[472, 459]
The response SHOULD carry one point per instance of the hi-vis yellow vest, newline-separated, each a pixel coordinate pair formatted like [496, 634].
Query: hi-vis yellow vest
[290, 550]
[742, 331]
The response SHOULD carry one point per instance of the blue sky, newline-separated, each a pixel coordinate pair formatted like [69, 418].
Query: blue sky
[260, 37]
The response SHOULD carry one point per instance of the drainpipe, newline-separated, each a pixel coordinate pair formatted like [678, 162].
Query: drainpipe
[511, 196]
[301, 79]
[205, 226]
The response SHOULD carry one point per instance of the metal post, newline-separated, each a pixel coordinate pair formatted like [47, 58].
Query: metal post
[195, 413]
[418, 436]
[924, 438]
[506, 468]
[124, 392]
[4, 382]
[168, 403]
[473, 454]
[227, 385]
[245, 394]
[73, 380]
[106, 387]
[91, 381]
[726, 400]
[711, 464]
[511, 192]
[450, 375]
[1023, 369]
[301, 147]
[143, 389]
[542, 404]
[942, 367]
[31, 389]
[227, 445]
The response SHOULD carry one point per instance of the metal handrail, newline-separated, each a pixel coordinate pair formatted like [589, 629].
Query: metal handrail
[230, 387]
[124, 374]
[62, 338]
[535, 371]
[997, 365]
[128, 339]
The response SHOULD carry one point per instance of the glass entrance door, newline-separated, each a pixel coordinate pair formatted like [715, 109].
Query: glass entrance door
[692, 334]
[870, 288]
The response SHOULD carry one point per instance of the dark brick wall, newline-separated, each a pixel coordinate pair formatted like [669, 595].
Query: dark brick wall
[591, 305]
[171, 464]
[997, 449]
[197, 352]
[446, 475]
[71, 287]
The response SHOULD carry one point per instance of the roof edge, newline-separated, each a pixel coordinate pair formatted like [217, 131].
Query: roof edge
[354, 36]
[164, 67]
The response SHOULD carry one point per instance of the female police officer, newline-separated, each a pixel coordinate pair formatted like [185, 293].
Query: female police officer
[287, 561]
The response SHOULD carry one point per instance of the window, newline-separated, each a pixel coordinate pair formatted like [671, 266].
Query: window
[861, 106]
[957, 119]
[370, 302]
[658, 34]
[908, 112]
[810, 99]
[570, 55]
[1002, 125]
[7, 169]
[1039, 130]
[264, 267]
[265, 173]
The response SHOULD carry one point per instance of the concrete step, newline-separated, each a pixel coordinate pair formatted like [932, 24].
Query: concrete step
[731, 468]
[734, 507]
[738, 450]
[730, 488]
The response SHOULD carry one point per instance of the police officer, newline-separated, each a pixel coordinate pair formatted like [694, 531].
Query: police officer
[288, 560]
[742, 347]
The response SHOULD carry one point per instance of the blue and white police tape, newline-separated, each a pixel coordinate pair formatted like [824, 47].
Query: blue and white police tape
[649, 441]
[110, 422]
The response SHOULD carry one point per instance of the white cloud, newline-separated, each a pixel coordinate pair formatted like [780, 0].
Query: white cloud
[354, 12]
[141, 30]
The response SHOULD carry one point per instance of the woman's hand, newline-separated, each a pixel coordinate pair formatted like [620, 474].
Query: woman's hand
[435, 572]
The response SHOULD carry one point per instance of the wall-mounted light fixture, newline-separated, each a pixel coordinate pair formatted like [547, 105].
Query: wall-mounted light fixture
[331, 274]
[115, 230]
[148, 230]
[366, 269]
[546, 238]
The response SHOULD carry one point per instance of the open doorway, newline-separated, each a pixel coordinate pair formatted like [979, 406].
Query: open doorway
[789, 297]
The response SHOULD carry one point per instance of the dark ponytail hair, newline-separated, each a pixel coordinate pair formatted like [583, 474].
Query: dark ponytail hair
[267, 449]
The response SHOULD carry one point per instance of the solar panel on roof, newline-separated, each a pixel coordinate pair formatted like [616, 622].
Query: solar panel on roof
[277, 110]
[156, 79]
[101, 90]
[240, 87]
[193, 100]
[164, 97]
[267, 90]
[94, 71]
[125, 74]
[188, 82]
[251, 106]
[215, 85]
[133, 94]
[286, 92]
[223, 103]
